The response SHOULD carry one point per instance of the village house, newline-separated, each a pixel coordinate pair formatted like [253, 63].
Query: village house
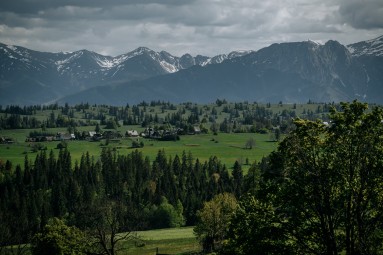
[132, 133]
[65, 136]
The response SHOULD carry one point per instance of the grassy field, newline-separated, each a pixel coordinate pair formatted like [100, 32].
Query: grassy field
[177, 241]
[227, 147]
[168, 241]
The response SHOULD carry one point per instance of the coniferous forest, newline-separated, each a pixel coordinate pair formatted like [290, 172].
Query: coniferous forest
[164, 193]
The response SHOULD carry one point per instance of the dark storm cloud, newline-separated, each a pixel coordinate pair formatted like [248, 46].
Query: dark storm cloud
[362, 14]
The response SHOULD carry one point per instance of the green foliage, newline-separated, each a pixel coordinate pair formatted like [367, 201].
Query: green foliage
[62, 145]
[213, 220]
[57, 238]
[38, 146]
[237, 179]
[136, 144]
[166, 215]
[65, 186]
[250, 143]
[255, 229]
[322, 187]
[111, 124]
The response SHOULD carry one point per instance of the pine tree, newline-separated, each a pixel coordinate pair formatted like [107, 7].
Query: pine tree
[237, 179]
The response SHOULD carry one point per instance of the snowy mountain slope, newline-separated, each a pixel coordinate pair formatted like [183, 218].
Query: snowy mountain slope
[291, 72]
[64, 73]
[372, 47]
[288, 72]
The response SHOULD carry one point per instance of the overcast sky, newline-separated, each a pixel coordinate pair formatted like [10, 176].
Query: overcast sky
[207, 27]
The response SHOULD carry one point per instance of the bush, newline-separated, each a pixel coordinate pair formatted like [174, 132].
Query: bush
[166, 215]
[136, 144]
[62, 145]
[38, 146]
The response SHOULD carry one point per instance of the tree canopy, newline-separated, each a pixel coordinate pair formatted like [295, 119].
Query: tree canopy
[56, 238]
[321, 189]
[214, 219]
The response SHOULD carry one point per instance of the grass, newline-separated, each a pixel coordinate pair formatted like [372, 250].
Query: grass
[227, 147]
[179, 241]
[167, 241]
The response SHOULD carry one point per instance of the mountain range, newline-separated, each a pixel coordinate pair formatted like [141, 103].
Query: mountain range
[289, 72]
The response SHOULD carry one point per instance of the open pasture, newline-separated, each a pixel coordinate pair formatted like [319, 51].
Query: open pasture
[227, 147]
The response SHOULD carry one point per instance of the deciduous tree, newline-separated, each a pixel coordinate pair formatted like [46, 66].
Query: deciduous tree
[213, 220]
[324, 184]
[57, 238]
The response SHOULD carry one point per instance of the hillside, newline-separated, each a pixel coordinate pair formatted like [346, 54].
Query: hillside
[290, 72]
[31, 77]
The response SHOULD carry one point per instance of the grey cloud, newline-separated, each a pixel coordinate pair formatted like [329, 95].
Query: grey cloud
[366, 14]
[178, 26]
[35, 6]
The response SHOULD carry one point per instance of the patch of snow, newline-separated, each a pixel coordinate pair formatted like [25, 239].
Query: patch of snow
[207, 62]
[60, 64]
[315, 42]
[11, 47]
[168, 67]
[380, 38]
[239, 53]
[372, 47]
[351, 49]
[105, 63]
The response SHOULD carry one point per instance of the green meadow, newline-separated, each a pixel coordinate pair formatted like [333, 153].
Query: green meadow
[228, 147]
[175, 241]
[167, 241]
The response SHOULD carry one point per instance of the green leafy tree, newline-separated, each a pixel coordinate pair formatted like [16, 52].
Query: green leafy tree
[321, 191]
[111, 124]
[58, 238]
[255, 229]
[250, 143]
[213, 221]
[326, 183]
[167, 216]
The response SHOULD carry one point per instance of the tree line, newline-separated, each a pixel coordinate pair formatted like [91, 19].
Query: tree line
[164, 193]
[238, 117]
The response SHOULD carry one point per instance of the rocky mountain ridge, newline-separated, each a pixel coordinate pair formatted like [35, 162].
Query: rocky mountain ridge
[289, 72]
[50, 76]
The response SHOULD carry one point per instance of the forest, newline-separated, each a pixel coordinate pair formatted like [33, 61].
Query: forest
[319, 192]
